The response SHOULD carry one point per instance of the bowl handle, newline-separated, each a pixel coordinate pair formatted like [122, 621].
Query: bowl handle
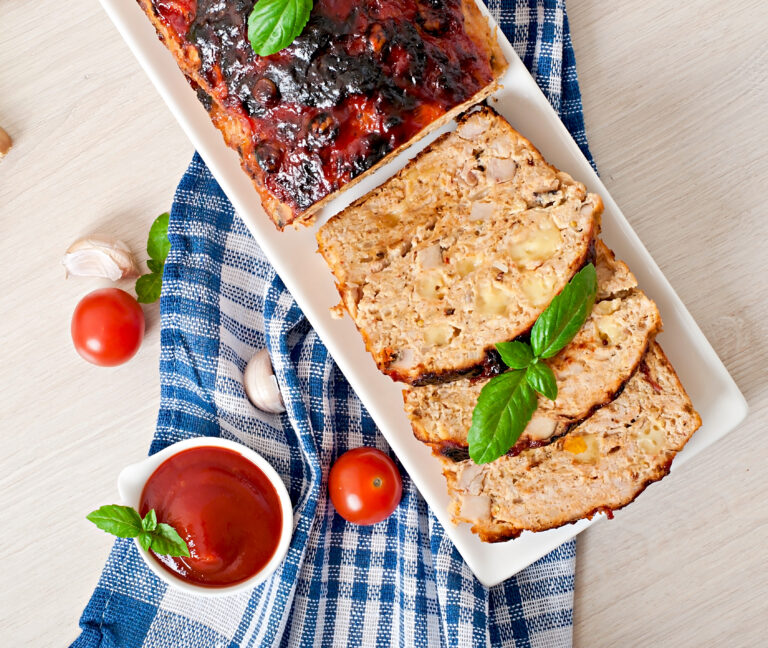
[130, 483]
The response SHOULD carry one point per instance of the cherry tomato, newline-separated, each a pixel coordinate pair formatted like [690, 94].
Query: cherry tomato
[365, 486]
[107, 327]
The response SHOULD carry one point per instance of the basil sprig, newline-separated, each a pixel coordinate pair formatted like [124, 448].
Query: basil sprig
[148, 286]
[274, 24]
[125, 522]
[507, 402]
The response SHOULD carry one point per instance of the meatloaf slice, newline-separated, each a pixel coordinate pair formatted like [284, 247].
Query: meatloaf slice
[602, 464]
[590, 371]
[462, 249]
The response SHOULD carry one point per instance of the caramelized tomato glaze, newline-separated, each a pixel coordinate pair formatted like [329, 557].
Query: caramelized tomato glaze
[362, 79]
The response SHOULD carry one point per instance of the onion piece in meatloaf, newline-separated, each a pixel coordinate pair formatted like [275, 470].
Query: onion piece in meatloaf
[462, 249]
[602, 464]
[590, 371]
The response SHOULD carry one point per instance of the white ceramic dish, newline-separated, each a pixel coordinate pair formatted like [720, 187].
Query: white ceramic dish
[130, 484]
[293, 254]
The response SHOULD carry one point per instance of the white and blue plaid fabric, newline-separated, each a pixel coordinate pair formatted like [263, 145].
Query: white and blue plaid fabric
[397, 583]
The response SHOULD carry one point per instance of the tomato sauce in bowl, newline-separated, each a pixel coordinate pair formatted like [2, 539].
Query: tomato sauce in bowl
[224, 507]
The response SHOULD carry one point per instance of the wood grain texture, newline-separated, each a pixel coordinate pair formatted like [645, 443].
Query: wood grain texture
[675, 99]
[94, 149]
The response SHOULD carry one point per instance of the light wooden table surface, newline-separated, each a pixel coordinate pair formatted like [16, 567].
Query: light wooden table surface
[675, 97]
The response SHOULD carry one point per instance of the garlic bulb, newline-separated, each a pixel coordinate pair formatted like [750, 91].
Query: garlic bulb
[261, 385]
[100, 256]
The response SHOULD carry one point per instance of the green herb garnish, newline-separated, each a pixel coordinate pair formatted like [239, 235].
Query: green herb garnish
[508, 401]
[148, 286]
[274, 24]
[125, 522]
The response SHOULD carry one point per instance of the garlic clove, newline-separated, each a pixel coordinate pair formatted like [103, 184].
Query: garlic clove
[5, 143]
[261, 385]
[99, 256]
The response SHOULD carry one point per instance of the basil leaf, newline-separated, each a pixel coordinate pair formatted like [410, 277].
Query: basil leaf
[125, 522]
[122, 521]
[158, 245]
[148, 287]
[565, 315]
[167, 542]
[274, 24]
[145, 540]
[540, 377]
[504, 408]
[516, 355]
[155, 266]
[149, 523]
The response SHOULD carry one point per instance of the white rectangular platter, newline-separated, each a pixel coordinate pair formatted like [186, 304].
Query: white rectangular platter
[294, 256]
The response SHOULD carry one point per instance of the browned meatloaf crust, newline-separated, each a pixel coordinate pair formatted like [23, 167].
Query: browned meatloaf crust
[362, 81]
[603, 464]
[590, 371]
[462, 249]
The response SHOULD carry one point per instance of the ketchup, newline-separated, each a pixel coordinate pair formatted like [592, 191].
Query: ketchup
[223, 506]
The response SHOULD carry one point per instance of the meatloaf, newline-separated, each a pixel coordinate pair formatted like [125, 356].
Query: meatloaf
[590, 371]
[363, 80]
[602, 464]
[462, 249]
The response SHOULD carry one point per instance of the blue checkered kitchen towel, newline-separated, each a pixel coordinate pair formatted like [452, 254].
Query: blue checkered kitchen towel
[397, 583]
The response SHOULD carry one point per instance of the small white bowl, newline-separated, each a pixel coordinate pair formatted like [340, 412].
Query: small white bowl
[130, 485]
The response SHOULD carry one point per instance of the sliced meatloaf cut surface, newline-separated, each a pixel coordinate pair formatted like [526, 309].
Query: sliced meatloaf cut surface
[613, 276]
[602, 464]
[590, 371]
[462, 249]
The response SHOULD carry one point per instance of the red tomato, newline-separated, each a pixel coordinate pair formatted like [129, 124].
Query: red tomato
[107, 327]
[365, 486]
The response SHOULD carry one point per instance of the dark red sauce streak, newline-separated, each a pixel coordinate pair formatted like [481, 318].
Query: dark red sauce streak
[223, 506]
[362, 79]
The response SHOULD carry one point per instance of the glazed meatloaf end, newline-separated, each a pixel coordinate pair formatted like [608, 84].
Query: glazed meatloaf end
[603, 464]
[462, 249]
[590, 371]
[360, 83]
